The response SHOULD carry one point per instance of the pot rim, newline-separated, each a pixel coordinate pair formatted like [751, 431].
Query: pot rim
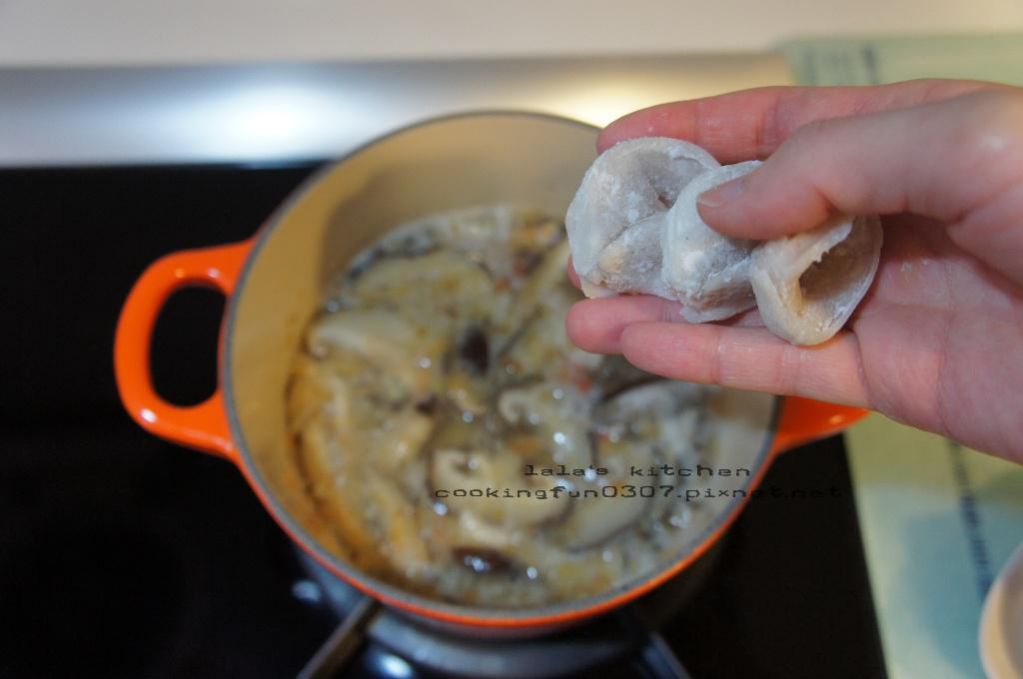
[557, 613]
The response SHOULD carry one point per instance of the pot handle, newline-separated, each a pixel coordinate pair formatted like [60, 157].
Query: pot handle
[804, 420]
[202, 426]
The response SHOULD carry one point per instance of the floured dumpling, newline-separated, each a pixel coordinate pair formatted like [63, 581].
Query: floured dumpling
[807, 285]
[706, 271]
[634, 227]
[616, 220]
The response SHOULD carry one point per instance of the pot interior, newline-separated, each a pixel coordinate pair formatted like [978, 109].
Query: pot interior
[473, 160]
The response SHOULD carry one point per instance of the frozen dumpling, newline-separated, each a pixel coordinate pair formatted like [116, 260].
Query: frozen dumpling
[616, 219]
[807, 285]
[706, 271]
[634, 227]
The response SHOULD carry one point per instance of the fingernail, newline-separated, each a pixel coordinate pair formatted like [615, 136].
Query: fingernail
[723, 193]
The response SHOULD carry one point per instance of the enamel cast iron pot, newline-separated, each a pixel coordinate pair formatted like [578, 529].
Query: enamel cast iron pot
[274, 283]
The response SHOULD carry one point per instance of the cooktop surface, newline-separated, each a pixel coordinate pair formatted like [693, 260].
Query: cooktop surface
[125, 556]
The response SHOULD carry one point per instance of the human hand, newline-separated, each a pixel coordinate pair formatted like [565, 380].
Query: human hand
[938, 341]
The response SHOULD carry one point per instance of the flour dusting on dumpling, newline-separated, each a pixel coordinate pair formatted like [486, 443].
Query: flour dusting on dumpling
[635, 227]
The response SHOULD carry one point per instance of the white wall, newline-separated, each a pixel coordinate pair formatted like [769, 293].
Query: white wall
[148, 31]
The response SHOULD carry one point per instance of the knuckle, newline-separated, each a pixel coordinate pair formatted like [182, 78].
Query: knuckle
[994, 133]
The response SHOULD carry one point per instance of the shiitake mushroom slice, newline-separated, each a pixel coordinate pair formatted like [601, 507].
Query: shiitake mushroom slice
[482, 560]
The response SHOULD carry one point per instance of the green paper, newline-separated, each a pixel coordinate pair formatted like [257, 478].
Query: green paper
[863, 61]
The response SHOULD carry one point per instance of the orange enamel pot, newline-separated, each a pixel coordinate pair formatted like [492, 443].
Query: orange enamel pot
[274, 282]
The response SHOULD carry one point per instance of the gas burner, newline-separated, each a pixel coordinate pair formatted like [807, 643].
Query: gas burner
[386, 643]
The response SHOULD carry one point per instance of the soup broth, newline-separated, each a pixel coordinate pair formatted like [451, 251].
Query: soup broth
[458, 443]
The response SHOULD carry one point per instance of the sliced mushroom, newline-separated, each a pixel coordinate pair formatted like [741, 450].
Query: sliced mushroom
[680, 436]
[595, 521]
[541, 343]
[466, 368]
[491, 483]
[481, 560]
[472, 530]
[533, 329]
[396, 515]
[639, 421]
[467, 393]
[548, 274]
[335, 486]
[474, 350]
[408, 350]
[572, 574]
[517, 405]
[441, 278]
[614, 375]
[653, 400]
[400, 440]
[325, 438]
[557, 415]
[310, 389]
[414, 243]
[537, 234]
[667, 415]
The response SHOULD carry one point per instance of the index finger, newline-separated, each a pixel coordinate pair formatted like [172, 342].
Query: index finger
[573, 275]
[751, 124]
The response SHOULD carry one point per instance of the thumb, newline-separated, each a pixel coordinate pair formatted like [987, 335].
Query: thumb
[939, 160]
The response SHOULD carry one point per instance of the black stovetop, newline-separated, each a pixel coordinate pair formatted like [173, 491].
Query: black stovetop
[124, 556]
